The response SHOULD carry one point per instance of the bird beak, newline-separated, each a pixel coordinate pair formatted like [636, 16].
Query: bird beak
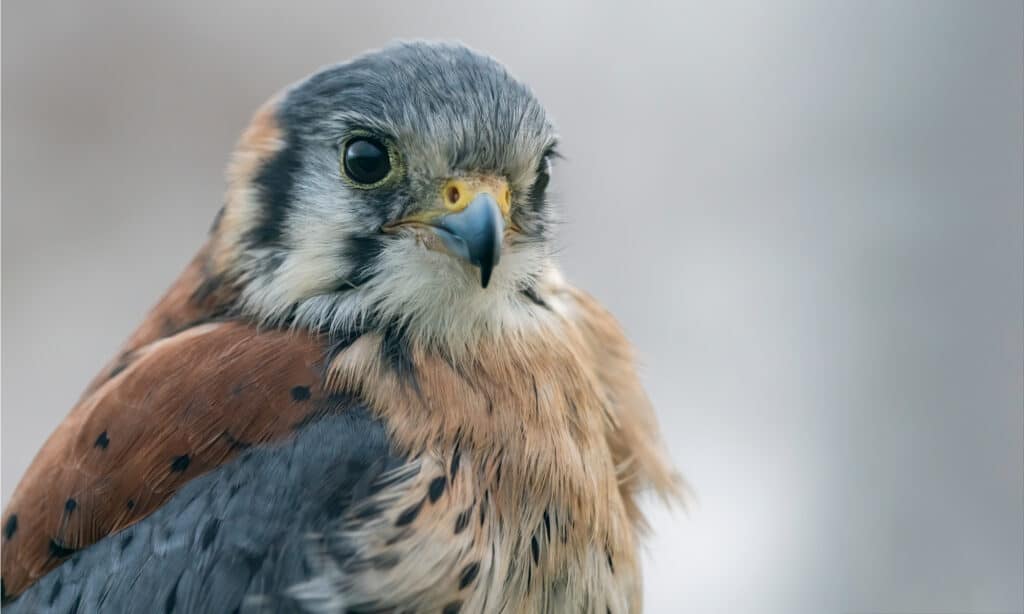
[474, 234]
[471, 222]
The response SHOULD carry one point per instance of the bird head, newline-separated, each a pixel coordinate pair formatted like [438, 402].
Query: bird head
[405, 187]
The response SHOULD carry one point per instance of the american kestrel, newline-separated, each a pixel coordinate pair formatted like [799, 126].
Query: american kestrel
[370, 391]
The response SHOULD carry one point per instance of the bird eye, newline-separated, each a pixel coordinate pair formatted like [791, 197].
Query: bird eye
[366, 161]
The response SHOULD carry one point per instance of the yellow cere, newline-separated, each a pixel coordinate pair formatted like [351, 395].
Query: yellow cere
[456, 194]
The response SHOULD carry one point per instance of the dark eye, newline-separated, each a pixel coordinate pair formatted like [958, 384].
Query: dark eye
[366, 161]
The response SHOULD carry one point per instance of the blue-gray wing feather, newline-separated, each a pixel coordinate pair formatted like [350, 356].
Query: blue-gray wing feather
[238, 532]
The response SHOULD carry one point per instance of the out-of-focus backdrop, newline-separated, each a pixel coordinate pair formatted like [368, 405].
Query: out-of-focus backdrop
[808, 216]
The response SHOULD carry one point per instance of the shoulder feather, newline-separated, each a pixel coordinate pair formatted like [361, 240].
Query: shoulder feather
[180, 407]
[633, 435]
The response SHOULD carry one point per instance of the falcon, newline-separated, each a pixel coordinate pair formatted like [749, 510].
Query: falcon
[371, 390]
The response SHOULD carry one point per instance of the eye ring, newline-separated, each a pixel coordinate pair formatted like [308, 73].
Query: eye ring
[368, 161]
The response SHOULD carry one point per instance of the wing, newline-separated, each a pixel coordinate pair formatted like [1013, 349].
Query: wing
[235, 538]
[178, 408]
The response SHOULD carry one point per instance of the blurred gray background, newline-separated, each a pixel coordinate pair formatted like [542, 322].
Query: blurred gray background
[809, 218]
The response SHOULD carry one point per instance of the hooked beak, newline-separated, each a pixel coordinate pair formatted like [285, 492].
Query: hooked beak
[471, 221]
[474, 234]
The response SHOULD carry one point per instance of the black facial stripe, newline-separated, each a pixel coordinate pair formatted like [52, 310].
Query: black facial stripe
[537, 201]
[275, 183]
[362, 252]
[537, 191]
[533, 215]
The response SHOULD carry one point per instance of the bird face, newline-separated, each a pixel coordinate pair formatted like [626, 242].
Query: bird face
[406, 187]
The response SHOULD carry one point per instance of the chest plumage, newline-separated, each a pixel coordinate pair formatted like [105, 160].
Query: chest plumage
[512, 496]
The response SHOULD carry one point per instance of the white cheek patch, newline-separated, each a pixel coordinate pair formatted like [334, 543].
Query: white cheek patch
[314, 236]
[439, 299]
[436, 298]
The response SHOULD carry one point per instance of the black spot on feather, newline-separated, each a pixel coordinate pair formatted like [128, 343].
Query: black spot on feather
[300, 393]
[70, 505]
[535, 549]
[462, 521]
[410, 514]
[531, 293]
[436, 488]
[180, 463]
[452, 608]
[55, 591]
[209, 533]
[102, 441]
[59, 550]
[469, 573]
[11, 526]
[172, 597]
[456, 459]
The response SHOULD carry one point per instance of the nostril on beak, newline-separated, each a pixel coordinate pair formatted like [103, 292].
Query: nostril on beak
[453, 195]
